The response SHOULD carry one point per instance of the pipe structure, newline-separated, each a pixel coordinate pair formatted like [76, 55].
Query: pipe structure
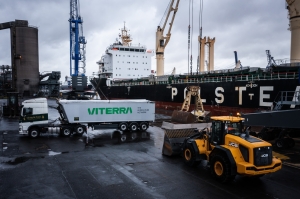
[293, 7]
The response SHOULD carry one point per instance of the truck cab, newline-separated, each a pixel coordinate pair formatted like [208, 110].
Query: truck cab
[34, 112]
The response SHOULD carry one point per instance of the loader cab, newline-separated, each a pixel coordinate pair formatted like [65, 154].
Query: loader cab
[222, 125]
[217, 132]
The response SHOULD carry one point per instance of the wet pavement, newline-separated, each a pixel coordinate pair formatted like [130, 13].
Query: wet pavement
[52, 166]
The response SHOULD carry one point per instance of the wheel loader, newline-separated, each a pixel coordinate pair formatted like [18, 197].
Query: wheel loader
[226, 146]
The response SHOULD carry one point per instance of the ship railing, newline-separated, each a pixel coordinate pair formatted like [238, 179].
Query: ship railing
[291, 98]
[241, 77]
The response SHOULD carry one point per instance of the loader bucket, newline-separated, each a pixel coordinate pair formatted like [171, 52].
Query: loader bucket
[183, 117]
[205, 117]
[174, 139]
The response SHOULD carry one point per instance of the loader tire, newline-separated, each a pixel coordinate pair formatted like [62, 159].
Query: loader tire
[220, 168]
[189, 156]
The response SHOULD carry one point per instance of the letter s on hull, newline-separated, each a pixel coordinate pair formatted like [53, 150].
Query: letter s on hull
[220, 95]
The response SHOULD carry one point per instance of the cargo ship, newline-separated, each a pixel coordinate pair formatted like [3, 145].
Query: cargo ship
[125, 73]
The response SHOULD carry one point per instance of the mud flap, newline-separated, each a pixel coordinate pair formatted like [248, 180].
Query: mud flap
[173, 140]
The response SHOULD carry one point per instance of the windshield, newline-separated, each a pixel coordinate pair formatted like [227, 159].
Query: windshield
[234, 128]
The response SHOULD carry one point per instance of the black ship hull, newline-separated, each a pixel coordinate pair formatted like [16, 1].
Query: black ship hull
[221, 98]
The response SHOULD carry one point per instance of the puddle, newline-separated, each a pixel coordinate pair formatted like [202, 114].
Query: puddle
[52, 153]
[20, 160]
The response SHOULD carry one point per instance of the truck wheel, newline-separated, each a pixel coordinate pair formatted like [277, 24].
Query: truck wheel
[143, 126]
[34, 133]
[123, 126]
[220, 168]
[80, 130]
[134, 127]
[66, 131]
[189, 156]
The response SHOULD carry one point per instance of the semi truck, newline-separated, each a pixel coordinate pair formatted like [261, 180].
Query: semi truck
[78, 115]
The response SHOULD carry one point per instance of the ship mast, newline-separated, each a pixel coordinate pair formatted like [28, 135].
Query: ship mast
[293, 7]
[125, 36]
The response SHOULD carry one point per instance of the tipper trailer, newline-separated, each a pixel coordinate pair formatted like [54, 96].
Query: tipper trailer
[77, 115]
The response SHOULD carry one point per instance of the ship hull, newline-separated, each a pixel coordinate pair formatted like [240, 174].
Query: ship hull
[221, 98]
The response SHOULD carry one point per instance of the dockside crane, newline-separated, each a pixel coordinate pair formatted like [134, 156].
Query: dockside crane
[161, 40]
[77, 48]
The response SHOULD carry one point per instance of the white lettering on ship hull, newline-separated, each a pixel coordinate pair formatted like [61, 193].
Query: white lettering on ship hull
[174, 93]
[263, 96]
[220, 95]
[185, 91]
[296, 96]
[240, 89]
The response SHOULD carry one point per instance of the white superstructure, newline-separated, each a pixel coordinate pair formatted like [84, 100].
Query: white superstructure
[122, 60]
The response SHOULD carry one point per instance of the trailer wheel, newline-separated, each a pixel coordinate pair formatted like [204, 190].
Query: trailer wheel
[280, 143]
[289, 142]
[66, 131]
[80, 130]
[189, 156]
[123, 126]
[34, 133]
[134, 127]
[220, 168]
[144, 126]
[262, 135]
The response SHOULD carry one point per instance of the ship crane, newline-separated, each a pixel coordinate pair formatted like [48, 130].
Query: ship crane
[161, 40]
[77, 41]
[271, 61]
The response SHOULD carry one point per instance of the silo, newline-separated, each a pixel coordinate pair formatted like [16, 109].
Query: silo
[25, 59]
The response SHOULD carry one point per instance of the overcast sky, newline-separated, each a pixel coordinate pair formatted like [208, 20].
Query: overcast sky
[248, 27]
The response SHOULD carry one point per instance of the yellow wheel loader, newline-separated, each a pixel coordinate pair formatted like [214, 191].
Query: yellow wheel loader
[228, 148]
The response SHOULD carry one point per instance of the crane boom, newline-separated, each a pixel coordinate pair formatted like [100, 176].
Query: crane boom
[77, 41]
[161, 40]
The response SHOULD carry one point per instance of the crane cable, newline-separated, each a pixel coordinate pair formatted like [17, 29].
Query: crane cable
[189, 39]
[164, 16]
[200, 34]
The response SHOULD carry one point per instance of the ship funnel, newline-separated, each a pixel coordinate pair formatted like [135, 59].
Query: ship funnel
[293, 7]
